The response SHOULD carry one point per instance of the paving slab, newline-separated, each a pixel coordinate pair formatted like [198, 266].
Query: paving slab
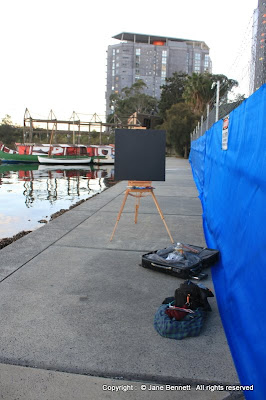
[150, 230]
[20, 383]
[72, 302]
[175, 205]
[182, 190]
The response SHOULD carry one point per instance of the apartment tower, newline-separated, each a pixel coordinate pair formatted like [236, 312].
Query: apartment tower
[152, 59]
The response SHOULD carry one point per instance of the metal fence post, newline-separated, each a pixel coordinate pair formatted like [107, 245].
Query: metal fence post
[217, 101]
[208, 115]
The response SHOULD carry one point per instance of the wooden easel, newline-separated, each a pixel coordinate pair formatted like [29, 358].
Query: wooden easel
[140, 189]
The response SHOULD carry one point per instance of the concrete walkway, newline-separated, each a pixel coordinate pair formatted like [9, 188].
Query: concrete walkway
[77, 310]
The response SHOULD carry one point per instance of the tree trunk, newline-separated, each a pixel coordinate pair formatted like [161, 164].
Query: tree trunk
[185, 151]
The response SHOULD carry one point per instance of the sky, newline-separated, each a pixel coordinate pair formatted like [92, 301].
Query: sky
[53, 52]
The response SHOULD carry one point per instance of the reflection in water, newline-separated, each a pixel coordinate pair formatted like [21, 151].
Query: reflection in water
[32, 192]
[28, 193]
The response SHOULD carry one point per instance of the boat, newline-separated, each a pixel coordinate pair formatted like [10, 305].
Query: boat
[8, 155]
[102, 154]
[26, 152]
[29, 153]
[62, 160]
[71, 154]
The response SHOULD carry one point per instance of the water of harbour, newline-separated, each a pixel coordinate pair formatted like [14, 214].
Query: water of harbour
[30, 193]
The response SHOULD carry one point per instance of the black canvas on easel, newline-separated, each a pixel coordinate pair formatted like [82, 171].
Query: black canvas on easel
[139, 155]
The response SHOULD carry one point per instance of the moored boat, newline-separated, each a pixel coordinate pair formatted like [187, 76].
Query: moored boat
[102, 154]
[8, 155]
[73, 160]
[29, 152]
[71, 155]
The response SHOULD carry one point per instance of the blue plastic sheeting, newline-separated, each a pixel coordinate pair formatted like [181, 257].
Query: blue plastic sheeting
[232, 187]
[196, 158]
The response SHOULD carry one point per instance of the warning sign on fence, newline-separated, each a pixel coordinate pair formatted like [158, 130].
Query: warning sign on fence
[225, 133]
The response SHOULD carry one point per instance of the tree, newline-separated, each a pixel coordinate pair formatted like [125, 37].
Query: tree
[135, 89]
[184, 99]
[200, 89]
[180, 122]
[226, 85]
[132, 100]
[9, 134]
[7, 120]
[172, 92]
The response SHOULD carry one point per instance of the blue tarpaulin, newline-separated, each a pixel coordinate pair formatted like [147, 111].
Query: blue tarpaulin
[232, 189]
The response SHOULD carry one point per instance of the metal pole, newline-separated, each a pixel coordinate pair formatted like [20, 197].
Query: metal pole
[31, 130]
[201, 125]
[74, 139]
[208, 116]
[217, 101]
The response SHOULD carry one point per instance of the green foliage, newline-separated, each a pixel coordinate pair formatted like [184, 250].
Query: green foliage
[95, 137]
[135, 89]
[9, 134]
[200, 89]
[132, 100]
[183, 100]
[7, 120]
[179, 123]
[172, 92]
[226, 84]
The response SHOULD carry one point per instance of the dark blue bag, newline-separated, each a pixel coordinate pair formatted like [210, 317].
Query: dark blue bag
[190, 325]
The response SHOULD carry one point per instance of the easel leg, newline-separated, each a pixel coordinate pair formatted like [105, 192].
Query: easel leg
[119, 214]
[161, 215]
[137, 208]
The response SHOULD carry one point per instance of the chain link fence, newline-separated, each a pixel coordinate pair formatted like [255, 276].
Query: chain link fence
[212, 114]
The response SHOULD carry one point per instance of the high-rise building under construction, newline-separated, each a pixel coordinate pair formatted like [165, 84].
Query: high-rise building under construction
[152, 59]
